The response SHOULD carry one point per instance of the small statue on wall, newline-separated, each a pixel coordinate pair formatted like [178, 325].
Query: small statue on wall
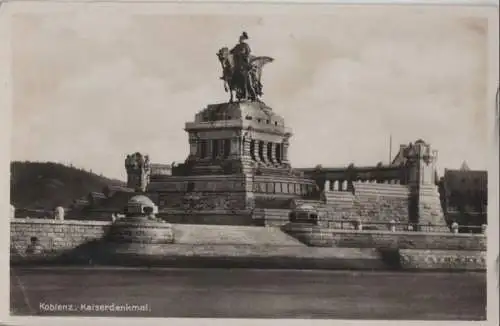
[59, 213]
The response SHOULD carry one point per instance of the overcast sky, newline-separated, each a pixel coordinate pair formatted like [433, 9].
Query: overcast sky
[89, 89]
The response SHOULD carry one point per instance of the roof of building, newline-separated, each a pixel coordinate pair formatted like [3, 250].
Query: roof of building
[465, 179]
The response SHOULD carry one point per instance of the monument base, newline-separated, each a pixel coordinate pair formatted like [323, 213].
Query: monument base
[140, 230]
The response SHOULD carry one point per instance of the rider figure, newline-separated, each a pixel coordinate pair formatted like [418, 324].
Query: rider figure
[241, 53]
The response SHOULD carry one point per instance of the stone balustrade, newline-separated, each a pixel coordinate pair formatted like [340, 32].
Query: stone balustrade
[318, 236]
[343, 185]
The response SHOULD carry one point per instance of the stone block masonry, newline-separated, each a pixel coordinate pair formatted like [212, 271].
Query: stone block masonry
[402, 250]
[324, 237]
[54, 236]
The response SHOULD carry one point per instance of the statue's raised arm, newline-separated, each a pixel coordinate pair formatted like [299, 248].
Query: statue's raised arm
[242, 71]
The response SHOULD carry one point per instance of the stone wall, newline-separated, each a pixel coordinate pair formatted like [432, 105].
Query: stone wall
[270, 217]
[411, 259]
[430, 208]
[382, 202]
[54, 235]
[200, 201]
[402, 250]
[370, 202]
[215, 217]
[323, 237]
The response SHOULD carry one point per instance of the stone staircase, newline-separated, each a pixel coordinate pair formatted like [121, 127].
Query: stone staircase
[370, 202]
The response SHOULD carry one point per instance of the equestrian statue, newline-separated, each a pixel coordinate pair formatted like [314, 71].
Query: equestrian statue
[241, 71]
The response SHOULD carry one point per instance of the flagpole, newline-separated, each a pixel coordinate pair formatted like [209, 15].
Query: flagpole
[390, 149]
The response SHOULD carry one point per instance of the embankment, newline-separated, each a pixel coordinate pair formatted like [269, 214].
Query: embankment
[302, 247]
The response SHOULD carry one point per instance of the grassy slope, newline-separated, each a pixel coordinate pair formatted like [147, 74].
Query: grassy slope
[45, 185]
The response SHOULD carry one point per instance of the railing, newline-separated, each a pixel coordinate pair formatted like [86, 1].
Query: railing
[349, 224]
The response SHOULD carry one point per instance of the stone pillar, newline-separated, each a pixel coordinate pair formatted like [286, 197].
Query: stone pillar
[273, 153]
[284, 152]
[392, 225]
[327, 186]
[358, 224]
[235, 147]
[12, 212]
[59, 213]
[245, 147]
[193, 146]
[264, 151]
[284, 156]
[454, 227]
[210, 148]
[256, 145]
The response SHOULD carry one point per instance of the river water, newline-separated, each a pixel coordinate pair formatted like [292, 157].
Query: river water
[247, 293]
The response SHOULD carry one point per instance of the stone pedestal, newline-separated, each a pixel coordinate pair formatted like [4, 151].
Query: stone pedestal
[243, 165]
[140, 230]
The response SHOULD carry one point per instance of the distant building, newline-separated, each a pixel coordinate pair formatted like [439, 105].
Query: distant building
[464, 195]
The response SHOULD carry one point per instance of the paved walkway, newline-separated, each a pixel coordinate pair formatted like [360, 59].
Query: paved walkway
[228, 234]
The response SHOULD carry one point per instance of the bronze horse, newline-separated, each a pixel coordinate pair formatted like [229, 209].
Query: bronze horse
[245, 85]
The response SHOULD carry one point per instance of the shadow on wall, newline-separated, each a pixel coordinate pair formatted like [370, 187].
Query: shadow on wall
[391, 257]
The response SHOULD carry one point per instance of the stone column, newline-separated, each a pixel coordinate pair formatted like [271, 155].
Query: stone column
[264, 151]
[235, 147]
[59, 213]
[284, 156]
[257, 151]
[210, 149]
[273, 153]
[193, 146]
[328, 185]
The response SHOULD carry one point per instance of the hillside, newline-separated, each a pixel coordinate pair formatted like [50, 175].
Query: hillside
[46, 185]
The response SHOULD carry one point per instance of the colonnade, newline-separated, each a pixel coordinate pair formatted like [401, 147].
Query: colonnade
[342, 185]
[267, 152]
[258, 150]
[283, 188]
